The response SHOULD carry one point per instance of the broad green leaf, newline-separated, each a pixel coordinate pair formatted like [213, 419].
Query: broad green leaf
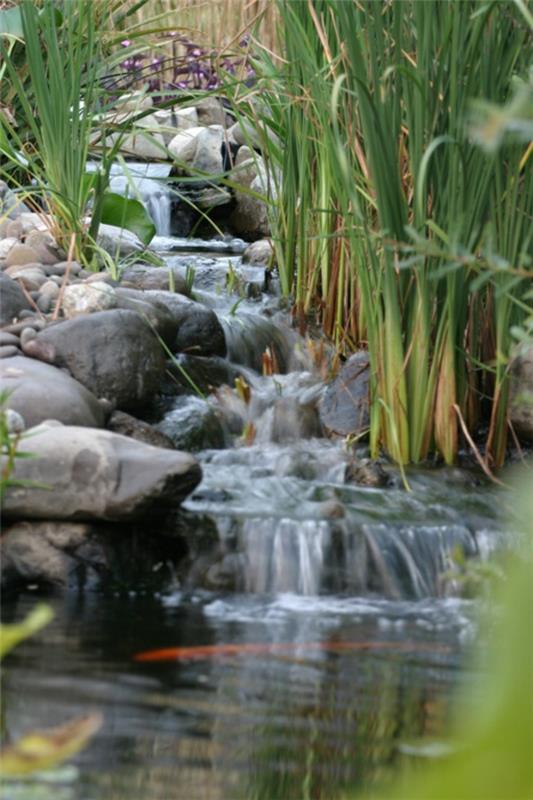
[12, 634]
[11, 23]
[40, 750]
[127, 213]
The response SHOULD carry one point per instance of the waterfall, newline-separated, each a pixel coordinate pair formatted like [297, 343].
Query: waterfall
[147, 183]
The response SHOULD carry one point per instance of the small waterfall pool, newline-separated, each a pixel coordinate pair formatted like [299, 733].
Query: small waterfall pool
[332, 612]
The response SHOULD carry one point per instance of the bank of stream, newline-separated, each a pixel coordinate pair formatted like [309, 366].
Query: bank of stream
[347, 599]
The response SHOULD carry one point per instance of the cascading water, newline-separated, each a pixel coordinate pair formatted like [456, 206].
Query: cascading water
[146, 182]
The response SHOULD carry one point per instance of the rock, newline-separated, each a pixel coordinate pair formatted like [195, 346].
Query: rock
[6, 245]
[9, 350]
[118, 241]
[50, 553]
[39, 391]
[32, 278]
[26, 334]
[344, 404]
[21, 254]
[192, 425]
[211, 111]
[291, 421]
[114, 354]
[32, 221]
[213, 197]
[11, 206]
[199, 331]
[87, 298]
[250, 217]
[143, 276]
[366, 472]
[8, 338]
[199, 149]
[12, 300]
[186, 117]
[259, 253]
[126, 425]
[147, 144]
[521, 394]
[96, 474]
[14, 229]
[244, 132]
[61, 268]
[49, 289]
[206, 373]
[154, 313]
[14, 422]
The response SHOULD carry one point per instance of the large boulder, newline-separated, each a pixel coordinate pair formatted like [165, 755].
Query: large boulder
[117, 241]
[521, 394]
[344, 407]
[38, 391]
[143, 276]
[250, 216]
[199, 149]
[12, 300]
[86, 474]
[115, 354]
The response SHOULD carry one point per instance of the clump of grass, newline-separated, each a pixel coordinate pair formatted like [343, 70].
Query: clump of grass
[406, 237]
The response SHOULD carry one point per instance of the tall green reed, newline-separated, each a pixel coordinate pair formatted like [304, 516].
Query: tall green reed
[402, 233]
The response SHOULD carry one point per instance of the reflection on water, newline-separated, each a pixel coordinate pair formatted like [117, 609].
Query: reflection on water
[298, 723]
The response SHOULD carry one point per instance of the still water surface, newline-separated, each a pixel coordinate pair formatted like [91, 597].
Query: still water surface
[281, 725]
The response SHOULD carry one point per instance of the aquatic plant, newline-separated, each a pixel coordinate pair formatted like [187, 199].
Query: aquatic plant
[391, 223]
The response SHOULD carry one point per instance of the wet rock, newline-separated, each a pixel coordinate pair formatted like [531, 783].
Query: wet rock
[126, 425]
[50, 554]
[12, 300]
[154, 313]
[118, 241]
[115, 354]
[199, 331]
[259, 253]
[96, 474]
[366, 472]
[213, 197]
[192, 425]
[521, 394]
[288, 421]
[38, 391]
[206, 373]
[198, 149]
[344, 404]
[142, 276]
[87, 298]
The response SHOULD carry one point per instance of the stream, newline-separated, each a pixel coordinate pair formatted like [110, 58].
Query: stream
[342, 603]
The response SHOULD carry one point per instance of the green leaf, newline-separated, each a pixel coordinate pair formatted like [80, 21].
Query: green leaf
[11, 23]
[12, 634]
[127, 213]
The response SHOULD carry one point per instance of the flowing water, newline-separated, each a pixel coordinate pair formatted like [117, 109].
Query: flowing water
[330, 614]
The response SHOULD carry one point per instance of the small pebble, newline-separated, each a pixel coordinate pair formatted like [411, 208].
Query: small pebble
[50, 289]
[27, 335]
[26, 314]
[9, 350]
[44, 303]
[15, 422]
[8, 338]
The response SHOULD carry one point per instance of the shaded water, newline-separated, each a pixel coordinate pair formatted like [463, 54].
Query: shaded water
[356, 587]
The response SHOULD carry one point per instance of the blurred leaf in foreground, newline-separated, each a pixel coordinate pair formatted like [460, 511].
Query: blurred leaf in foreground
[11, 635]
[40, 750]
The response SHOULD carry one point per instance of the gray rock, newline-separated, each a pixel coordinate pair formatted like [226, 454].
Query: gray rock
[118, 241]
[32, 278]
[87, 298]
[8, 338]
[50, 553]
[193, 425]
[26, 335]
[211, 111]
[143, 276]
[250, 216]
[14, 229]
[259, 253]
[12, 300]
[11, 206]
[344, 407]
[126, 425]
[199, 149]
[115, 354]
[6, 245]
[15, 423]
[39, 391]
[155, 313]
[521, 394]
[199, 331]
[9, 350]
[96, 474]
[61, 267]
